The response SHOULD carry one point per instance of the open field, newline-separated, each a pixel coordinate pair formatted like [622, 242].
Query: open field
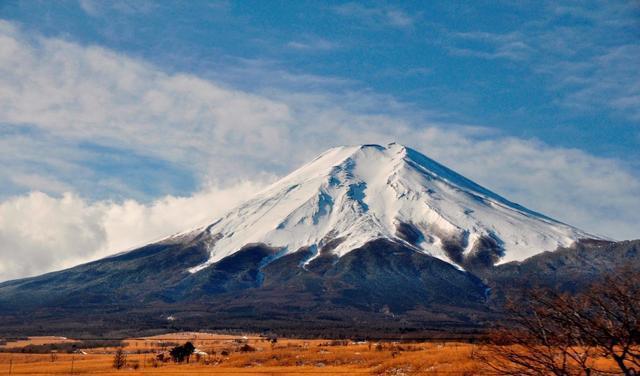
[224, 355]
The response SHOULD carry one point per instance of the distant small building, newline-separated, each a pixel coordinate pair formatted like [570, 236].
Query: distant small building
[199, 352]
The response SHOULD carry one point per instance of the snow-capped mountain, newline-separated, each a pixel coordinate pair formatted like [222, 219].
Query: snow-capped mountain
[350, 195]
[363, 240]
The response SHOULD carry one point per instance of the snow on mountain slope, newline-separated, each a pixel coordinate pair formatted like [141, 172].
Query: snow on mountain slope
[351, 195]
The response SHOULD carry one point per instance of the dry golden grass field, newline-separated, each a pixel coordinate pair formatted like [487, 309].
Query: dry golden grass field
[224, 356]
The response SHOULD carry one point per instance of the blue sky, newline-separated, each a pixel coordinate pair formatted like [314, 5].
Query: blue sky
[529, 69]
[108, 103]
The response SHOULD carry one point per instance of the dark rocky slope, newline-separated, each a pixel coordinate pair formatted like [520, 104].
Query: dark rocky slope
[374, 286]
[567, 269]
[382, 288]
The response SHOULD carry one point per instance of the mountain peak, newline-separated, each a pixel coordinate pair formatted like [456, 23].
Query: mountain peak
[351, 195]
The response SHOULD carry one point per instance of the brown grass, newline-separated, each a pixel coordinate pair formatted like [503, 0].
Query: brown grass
[286, 357]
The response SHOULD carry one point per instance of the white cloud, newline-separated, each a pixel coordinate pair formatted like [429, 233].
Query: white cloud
[96, 8]
[509, 46]
[588, 65]
[40, 233]
[70, 94]
[89, 93]
[609, 78]
[377, 15]
[310, 43]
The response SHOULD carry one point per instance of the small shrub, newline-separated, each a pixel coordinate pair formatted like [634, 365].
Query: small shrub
[246, 348]
[119, 359]
[182, 353]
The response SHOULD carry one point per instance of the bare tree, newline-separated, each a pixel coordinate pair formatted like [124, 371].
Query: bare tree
[534, 345]
[608, 317]
[563, 334]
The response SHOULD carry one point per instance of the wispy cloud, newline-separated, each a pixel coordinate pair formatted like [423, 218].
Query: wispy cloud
[610, 78]
[377, 15]
[96, 8]
[310, 43]
[492, 46]
[578, 49]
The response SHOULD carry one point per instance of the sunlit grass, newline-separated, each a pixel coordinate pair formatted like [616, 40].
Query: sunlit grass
[287, 356]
